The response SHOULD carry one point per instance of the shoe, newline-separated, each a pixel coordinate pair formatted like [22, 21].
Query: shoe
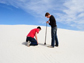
[50, 46]
[28, 43]
[56, 45]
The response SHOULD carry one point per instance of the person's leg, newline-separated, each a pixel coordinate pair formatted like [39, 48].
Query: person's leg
[52, 36]
[56, 39]
[26, 39]
[33, 41]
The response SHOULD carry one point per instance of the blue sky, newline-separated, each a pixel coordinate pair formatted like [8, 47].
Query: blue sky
[69, 14]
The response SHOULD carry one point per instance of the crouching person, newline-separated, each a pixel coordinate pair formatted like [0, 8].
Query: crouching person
[30, 40]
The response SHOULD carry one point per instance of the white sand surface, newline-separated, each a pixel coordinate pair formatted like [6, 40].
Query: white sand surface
[13, 49]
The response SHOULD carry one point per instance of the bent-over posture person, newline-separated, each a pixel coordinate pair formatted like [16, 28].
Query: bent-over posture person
[30, 37]
[52, 23]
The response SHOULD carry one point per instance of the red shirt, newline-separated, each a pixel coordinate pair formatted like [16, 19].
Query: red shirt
[33, 32]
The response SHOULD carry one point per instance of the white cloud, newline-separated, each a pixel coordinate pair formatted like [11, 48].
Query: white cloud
[73, 13]
[81, 15]
[70, 12]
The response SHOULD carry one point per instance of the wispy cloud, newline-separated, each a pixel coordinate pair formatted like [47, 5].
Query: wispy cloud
[74, 13]
[70, 12]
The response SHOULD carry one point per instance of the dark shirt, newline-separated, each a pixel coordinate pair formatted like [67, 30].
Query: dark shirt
[52, 21]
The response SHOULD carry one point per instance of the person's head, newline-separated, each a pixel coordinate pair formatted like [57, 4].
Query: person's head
[39, 28]
[47, 15]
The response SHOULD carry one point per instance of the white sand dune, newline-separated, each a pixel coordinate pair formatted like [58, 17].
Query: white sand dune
[13, 49]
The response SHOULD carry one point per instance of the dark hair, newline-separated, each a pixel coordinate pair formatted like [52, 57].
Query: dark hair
[39, 27]
[47, 14]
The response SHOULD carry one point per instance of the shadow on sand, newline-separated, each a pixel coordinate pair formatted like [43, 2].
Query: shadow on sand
[24, 43]
[42, 44]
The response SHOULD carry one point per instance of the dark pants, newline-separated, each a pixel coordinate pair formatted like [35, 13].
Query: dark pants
[32, 40]
[54, 36]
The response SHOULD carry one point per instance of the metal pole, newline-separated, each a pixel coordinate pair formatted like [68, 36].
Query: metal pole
[45, 34]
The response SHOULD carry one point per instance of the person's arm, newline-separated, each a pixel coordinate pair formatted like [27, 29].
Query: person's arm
[36, 37]
[48, 21]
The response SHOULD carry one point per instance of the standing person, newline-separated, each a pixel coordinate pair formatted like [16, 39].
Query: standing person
[30, 37]
[52, 23]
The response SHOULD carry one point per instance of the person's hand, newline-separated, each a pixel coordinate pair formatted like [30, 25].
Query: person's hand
[47, 22]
